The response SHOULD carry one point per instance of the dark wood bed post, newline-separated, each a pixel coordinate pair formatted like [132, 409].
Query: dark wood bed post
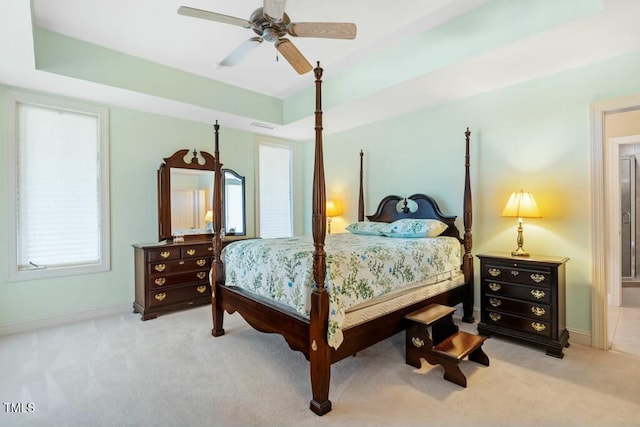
[217, 275]
[319, 351]
[467, 262]
[361, 192]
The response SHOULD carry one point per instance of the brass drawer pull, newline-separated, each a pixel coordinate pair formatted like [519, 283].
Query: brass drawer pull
[181, 262]
[537, 277]
[160, 267]
[165, 254]
[417, 342]
[191, 251]
[494, 272]
[514, 272]
[210, 249]
[495, 316]
[539, 327]
[201, 262]
[538, 311]
[495, 302]
[201, 289]
[160, 281]
[494, 286]
[161, 296]
[537, 293]
[201, 274]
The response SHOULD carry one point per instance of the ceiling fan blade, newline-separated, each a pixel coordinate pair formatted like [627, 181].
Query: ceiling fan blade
[326, 30]
[241, 52]
[293, 56]
[212, 16]
[274, 9]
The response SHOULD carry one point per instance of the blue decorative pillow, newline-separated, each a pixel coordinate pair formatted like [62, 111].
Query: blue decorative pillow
[367, 228]
[414, 228]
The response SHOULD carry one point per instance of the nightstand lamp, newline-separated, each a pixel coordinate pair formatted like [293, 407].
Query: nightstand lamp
[521, 205]
[333, 209]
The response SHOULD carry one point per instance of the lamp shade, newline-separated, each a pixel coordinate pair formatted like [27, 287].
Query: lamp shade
[521, 205]
[208, 217]
[333, 209]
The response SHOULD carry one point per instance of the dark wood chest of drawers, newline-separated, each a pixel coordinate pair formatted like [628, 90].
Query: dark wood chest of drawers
[171, 276]
[524, 298]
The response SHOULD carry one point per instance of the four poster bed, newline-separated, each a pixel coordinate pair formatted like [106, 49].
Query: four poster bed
[339, 316]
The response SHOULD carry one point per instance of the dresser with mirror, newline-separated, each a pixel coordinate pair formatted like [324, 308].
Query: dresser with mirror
[173, 273]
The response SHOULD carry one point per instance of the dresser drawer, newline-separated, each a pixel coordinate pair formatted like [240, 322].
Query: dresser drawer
[522, 308]
[516, 273]
[174, 295]
[163, 254]
[533, 326]
[168, 280]
[510, 290]
[190, 251]
[179, 266]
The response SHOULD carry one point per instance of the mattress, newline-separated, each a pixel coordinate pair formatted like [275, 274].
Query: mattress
[359, 269]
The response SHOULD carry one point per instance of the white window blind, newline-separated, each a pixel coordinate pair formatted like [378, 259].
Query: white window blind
[60, 190]
[275, 189]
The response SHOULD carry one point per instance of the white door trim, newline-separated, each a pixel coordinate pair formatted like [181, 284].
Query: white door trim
[600, 233]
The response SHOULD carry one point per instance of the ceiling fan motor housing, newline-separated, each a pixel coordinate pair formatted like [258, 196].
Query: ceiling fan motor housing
[269, 30]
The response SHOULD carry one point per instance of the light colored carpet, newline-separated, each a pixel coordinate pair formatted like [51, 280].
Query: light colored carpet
[120, 371]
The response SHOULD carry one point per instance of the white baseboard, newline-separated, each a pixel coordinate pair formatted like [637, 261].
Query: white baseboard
[32, 325]
[579, 337]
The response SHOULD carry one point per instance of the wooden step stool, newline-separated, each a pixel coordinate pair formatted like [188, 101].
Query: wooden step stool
[449, 345]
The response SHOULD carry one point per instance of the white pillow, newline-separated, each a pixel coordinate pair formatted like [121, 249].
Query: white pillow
[409, 227]
[367, 228]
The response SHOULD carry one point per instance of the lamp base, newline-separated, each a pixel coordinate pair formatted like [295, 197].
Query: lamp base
[519, 252]
[520, 241]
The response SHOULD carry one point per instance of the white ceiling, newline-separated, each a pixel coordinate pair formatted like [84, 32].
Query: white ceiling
[153, 30]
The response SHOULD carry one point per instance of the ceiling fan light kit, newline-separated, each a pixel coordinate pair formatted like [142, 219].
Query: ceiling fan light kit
[271, 23]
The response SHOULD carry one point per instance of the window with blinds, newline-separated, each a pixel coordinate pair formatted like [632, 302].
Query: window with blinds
[275, 165]
[58, 187]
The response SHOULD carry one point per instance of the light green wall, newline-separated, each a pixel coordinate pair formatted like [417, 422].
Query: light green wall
[59, 54]
[532, 136]
[138, 143]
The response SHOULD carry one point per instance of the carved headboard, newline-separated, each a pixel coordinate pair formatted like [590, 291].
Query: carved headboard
[392, 208]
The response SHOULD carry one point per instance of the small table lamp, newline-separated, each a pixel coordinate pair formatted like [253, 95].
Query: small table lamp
[521, 205]
[208, 219]
[332, 210]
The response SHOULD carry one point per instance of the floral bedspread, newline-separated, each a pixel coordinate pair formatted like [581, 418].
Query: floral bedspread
[358, 268]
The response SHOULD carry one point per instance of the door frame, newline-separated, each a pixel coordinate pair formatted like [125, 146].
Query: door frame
[602, 236]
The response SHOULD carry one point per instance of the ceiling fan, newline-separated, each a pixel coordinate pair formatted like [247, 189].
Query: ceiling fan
[271, 23]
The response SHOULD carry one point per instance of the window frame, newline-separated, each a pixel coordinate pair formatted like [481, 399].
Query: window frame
[12, 99]
[262, 140]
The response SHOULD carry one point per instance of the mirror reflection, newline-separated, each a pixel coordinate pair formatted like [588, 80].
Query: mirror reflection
[191, 196]
[234, 209]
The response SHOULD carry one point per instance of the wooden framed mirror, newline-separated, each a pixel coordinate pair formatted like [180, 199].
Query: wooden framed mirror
[185, 194]
[185, 198]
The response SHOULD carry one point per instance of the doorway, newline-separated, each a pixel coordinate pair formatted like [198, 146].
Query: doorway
[622, 139]
[605, 254]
